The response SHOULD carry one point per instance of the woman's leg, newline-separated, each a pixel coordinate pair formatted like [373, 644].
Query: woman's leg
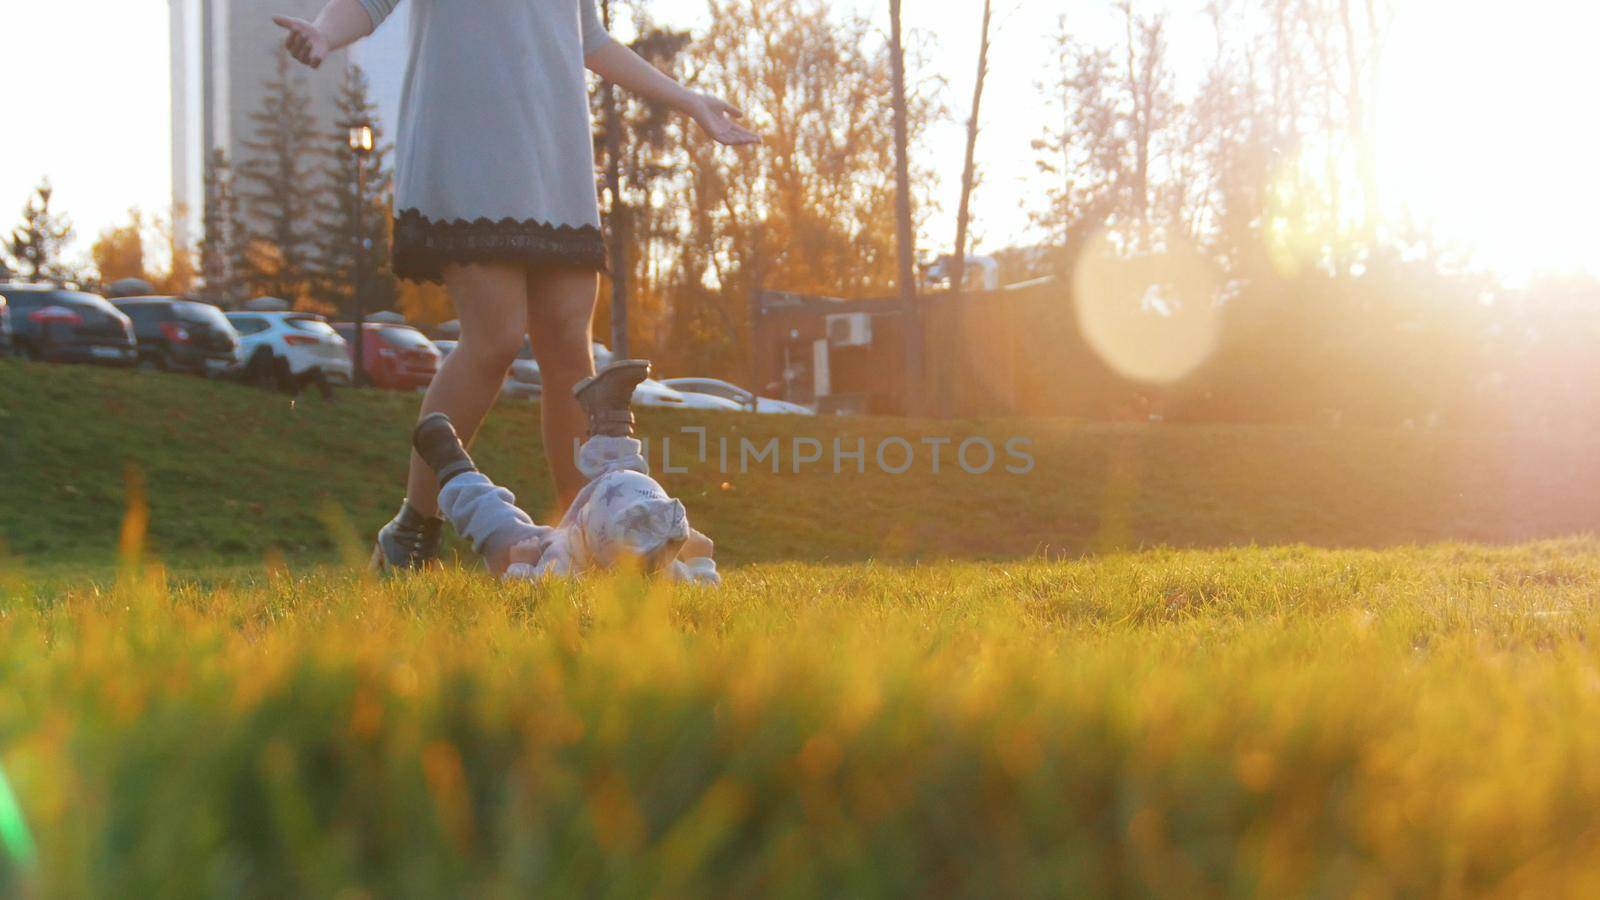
[560, 305]
[491, 303]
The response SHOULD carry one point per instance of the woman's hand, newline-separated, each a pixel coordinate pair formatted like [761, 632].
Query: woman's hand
[621, 66]
[716, 117]
[305, 41]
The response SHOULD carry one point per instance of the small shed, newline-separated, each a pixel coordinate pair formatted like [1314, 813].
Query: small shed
[841, 355]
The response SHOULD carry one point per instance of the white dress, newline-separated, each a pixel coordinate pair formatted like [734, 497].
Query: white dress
[495, 154]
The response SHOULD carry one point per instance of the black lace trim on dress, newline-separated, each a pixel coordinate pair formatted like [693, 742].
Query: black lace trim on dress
[423, 246]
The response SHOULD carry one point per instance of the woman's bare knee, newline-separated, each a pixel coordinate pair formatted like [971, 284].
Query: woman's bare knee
[565, 363]
[490, 353]
[491, 306]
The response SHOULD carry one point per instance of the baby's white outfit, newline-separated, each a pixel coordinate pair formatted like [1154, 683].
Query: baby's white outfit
[621, 513]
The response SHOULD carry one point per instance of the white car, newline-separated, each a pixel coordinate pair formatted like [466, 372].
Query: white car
[716, 387]
[305, 340]
[653, 393]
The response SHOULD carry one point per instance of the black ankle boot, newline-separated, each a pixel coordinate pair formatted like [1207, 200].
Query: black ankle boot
[607, 397]
[410, 541]
[440, 447]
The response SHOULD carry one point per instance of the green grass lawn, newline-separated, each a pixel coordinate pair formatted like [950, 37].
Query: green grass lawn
[1074, 682]
[238, 476]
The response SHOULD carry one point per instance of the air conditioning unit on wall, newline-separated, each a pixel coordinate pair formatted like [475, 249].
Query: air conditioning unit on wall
[850, 330]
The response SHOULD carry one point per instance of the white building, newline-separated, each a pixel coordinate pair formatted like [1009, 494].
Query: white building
[224, 51]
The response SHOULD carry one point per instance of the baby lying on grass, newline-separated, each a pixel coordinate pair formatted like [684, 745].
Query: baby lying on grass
[622, 514]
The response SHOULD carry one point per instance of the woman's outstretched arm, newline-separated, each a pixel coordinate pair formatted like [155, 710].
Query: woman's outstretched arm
[340, 24]
[621, 66]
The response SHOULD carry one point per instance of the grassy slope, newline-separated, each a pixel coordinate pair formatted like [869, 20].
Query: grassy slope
[234, 475]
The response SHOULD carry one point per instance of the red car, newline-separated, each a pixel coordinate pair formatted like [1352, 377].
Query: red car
[396, 357]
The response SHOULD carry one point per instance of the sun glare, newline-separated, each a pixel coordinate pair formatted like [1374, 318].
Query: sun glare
[1152, 318]
[1488, 132]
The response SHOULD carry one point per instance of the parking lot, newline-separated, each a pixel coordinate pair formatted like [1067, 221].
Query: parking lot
[274, 348]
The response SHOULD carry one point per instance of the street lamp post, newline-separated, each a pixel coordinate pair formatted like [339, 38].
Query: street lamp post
[361, 146]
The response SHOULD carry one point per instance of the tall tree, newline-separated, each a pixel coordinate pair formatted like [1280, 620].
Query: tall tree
[905, 235]
[1233, 140]
[810, 212]
[277, 189]
[350, 252]
[1113, 160]
[1081, 155]
[958, 264]
[641, 155]
[223, 236]
[1150, 111]
[37, 244]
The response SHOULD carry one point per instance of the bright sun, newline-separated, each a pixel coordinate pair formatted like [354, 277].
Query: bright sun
[1489, 129]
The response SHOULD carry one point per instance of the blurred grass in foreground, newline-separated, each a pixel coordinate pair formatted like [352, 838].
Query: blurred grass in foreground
[1234, 722]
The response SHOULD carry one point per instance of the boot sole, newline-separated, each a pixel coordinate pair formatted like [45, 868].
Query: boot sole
[612, 366]
[379, 563]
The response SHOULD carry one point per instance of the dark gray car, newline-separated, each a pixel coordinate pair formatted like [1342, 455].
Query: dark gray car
[58, 325]
[182, 335]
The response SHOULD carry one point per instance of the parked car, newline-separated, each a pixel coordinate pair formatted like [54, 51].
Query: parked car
[653, 393]
[396, 357]
[747, 401]
[304, 341]
[182, 335]
[57, 325]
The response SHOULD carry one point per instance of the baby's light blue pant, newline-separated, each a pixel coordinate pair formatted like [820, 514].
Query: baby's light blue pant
[488, 516]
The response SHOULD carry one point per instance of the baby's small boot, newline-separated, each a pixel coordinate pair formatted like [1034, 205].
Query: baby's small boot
[606, 397]
[409, 541]
[440, 447]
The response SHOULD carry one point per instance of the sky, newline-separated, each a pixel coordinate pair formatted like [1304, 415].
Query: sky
[1487, 128]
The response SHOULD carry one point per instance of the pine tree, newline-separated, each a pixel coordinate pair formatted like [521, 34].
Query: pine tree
[37, 244]
[343, 249]
[277, 187]
[223, 239]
